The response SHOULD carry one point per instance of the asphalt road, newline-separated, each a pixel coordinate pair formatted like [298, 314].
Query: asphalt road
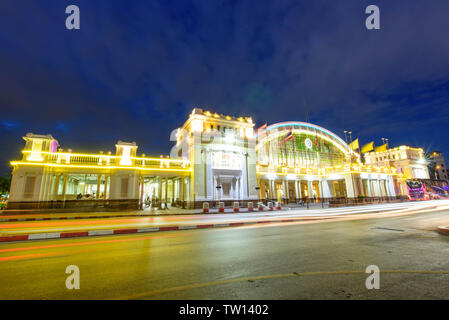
[301, 260]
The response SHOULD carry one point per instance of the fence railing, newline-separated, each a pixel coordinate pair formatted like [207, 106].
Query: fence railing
[113, 160]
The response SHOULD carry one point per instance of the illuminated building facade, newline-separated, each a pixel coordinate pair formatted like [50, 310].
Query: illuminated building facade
[298, 161]
[49, 177]
[222, 155]
[437, 166]
[215, 158]
[408, 161]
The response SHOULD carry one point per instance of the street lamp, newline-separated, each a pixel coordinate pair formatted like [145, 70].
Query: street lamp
[218, 192]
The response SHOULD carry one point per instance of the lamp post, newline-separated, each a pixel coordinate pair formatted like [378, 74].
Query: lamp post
[218, 192]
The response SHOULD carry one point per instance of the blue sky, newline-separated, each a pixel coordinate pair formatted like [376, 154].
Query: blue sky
[135, 69]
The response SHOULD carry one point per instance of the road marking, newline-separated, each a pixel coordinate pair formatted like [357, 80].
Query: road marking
[388, 229]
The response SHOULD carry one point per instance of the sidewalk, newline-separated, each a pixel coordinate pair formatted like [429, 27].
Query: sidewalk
[34, 215]
[5, 216]
[156, 228]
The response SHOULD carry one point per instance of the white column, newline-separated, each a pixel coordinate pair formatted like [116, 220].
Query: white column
[215, 185]
[64, 186]
[98, 186]
[56, 186]
[237, 188]
[309, 189]
[349, 186]
[326, 190]
[296, 189]
[272, 195]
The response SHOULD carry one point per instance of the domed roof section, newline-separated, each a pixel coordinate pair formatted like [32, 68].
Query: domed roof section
[308, 128]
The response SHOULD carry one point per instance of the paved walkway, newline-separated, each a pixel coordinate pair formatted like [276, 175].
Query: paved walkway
[18, 215]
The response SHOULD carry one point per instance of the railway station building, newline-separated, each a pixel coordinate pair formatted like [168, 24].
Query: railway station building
[213, 158]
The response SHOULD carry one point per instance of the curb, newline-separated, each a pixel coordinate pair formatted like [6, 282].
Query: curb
[60, 235]
[443, 230]
[120, 216]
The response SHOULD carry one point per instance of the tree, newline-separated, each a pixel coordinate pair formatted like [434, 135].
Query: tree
[5, 184]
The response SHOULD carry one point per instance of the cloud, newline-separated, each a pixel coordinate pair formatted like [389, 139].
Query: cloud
[136, 69]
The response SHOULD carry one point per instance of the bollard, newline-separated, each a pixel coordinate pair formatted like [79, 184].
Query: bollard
[236, 207]
[250, 207]
[278, 206]
[270, 206]
[260, 206]
[221, 207]
[205, 207]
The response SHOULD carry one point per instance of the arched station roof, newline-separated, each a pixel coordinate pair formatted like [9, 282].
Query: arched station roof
[280, 128]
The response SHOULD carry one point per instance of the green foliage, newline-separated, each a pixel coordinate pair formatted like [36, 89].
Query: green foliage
[5, 184]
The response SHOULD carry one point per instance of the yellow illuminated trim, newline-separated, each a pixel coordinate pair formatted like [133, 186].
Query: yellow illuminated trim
[161, 159]
[105, 155]
[285, 174]
[13, 163]
[322, 174]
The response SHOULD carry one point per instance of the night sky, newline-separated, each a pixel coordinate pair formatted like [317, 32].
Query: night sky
[135, 69]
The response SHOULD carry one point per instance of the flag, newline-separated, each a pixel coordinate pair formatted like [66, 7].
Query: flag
[289, 136]
[354, 145]
[381, 148]
[316, 142]
[368, 147]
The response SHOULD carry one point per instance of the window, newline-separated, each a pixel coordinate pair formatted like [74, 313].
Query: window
[226, 160]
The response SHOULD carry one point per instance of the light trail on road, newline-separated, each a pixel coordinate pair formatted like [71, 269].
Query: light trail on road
[8, 228]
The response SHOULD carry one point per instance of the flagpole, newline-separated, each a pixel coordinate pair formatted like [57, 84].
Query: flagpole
[350, 167]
